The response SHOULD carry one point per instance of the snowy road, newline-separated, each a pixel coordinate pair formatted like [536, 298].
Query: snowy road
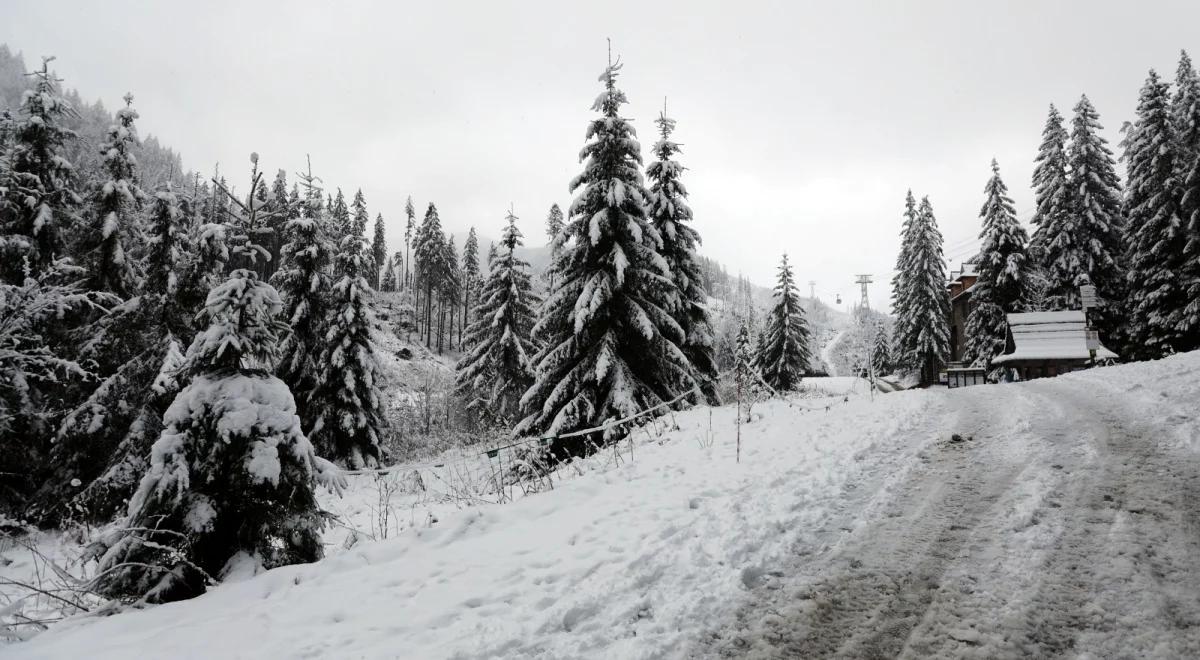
[1064, 522]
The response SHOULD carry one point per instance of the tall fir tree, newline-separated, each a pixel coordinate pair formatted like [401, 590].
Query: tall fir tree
[114, 228]
[783, 352]
[378, 250]
[1096, 226]
[1190, 215]
[671, 215]
[926, 345]
[472, 281]
[497, 367]
[611, 348]
[232, 472]
[1156, 234]
[881, 353]
[410, 215]
[448, 294]
[38, 200]
[429, 253]
[345, 403]
[554, 223]
[554, 227]
[1002, 268]
[304, 285]
[341, 223]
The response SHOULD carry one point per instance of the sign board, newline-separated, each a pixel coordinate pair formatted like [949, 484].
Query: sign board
[1093, 340]
[1087, 295]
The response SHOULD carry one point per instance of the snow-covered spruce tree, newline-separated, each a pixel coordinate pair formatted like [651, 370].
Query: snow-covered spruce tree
[378, 251]
[452, 292]
[554, 227]
[929, 306]
[429, 253]
[1156, 235]
[471, 282]
[1096, 219]
[783, 353]
[231, 477]
[410, 224]
[401, 268]
[743, 356]
[671, 215]
[282, 199]
[745, 374]
[1051, 190]
[359, 218]
[340, 222]
[37, 195]
[554, 223]
[611, 347]
[303, 283]
[1003, 263]
[496, 367]
[1190, 214]
[903, 283]
[344, 403]
[492, 255]
[387, 282]
[113, 226]
[1185, 115]
[881, 353]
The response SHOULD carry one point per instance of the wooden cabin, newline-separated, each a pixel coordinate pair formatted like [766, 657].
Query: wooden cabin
[1043, 344]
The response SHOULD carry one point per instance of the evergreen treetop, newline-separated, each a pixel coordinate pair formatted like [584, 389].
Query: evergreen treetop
[783, 352]
[497, 367]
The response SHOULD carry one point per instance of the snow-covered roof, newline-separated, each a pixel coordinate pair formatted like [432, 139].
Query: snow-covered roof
[968, 270]
[1050, 336]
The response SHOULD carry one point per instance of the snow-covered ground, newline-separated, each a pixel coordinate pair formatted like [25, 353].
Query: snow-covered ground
[1063, 520]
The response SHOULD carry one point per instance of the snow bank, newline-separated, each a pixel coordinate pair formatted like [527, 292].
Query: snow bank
[626, 562]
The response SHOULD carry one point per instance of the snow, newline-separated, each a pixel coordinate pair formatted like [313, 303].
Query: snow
[1054, 524]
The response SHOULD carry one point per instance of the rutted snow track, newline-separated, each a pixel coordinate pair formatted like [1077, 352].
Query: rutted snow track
[1064, 522]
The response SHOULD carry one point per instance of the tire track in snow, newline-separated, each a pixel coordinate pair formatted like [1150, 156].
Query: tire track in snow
[1063, 527]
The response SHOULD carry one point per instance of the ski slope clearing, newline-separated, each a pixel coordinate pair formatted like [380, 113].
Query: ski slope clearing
[1063, 520]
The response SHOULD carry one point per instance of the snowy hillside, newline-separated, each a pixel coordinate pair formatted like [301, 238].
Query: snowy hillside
[1034, 518]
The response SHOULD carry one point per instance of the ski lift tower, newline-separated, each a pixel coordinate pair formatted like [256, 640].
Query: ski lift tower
[863, 281]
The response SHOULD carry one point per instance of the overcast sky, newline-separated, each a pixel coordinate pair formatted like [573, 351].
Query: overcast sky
[803, 123]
